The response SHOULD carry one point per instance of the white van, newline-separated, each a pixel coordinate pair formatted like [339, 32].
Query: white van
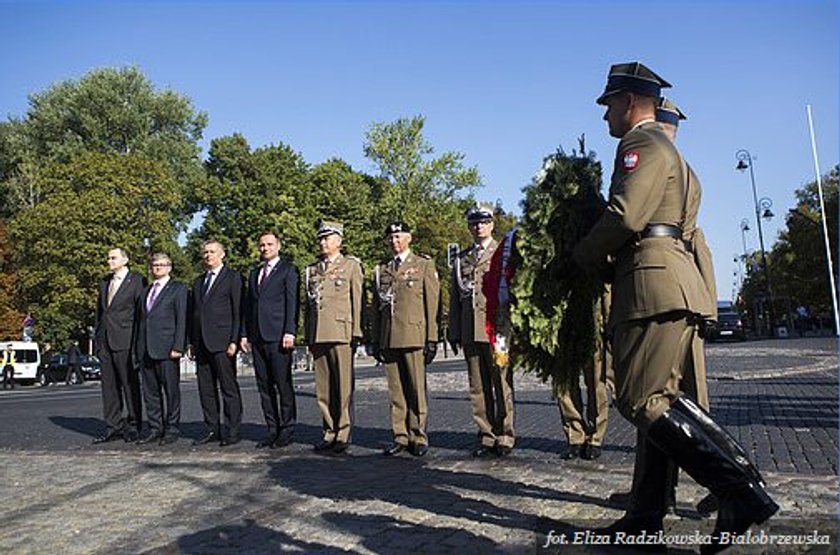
[27, 359]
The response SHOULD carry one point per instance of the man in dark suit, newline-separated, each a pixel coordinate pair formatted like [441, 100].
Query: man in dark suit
[161, 342]
[215, 320]
[268, 328]
[116, 315]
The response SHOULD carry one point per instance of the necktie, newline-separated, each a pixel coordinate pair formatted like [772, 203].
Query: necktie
[112, 289]
[207, 281]
[150, 302]
[263, 274]
[397, 262]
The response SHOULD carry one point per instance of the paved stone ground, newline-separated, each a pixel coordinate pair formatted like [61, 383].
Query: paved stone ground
[63, 495]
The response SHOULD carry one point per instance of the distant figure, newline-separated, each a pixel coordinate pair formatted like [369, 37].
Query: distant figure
[74, 364]
[116, 315]
[8, 366]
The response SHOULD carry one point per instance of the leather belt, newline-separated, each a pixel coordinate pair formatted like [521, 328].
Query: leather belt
[661, 230]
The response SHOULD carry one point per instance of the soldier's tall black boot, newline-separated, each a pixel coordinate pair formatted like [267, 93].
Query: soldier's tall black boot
[705, 450]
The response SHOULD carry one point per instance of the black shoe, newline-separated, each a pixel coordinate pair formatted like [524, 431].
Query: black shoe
[620, 499]
[168, 439]
[394, 449]
[503, 451]
[130, 436]
[281, 442]
[707, 505]
[267, 442]
[230, 440]
[483, 452]
[340, 446]
[212, 437]
[590, 452]
[419, 450]
[151, 438]
[572, 452]
[109, 437]
[322, 446]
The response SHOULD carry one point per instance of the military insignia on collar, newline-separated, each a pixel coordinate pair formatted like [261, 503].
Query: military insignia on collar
[631, 160]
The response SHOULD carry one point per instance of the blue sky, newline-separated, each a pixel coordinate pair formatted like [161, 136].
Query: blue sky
[504, 83]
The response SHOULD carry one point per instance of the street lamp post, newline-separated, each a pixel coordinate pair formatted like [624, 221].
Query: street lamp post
[745, 161]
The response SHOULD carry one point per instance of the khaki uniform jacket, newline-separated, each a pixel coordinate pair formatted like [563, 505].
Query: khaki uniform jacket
[406, 303]
[702, 254]
[467, 303]
[655, 275]
[334, 297]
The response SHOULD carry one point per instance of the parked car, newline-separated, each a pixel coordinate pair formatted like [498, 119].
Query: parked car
[729, 326]
[55, 369]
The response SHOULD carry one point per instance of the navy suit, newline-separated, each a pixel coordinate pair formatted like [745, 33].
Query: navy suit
[271, 311]
[116, 325]
[215, 323]
[162, 328]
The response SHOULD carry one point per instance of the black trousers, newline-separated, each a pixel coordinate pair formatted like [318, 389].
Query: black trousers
[273, 368]
[162, 393]
[8, 376]
[75, 368]
[216, 372]
[120, 389]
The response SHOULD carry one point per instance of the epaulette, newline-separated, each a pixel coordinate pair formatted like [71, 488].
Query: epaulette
[426, 256]
[354, 258]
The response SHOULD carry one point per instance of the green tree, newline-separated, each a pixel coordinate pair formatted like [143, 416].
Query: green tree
[10, 314]
[250, 191]
[109, 111]
[417, 187]
[90, 204]
[797, 262]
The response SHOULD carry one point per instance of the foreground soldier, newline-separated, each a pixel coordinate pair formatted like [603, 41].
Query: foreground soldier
[491, 387]
[658, 297]
[333, 329]
[405, 332]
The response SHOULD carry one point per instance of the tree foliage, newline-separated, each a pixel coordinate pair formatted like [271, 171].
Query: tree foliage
[797, 263]
[10, 316]
[108, 111]
[557, 311]
[91, 204]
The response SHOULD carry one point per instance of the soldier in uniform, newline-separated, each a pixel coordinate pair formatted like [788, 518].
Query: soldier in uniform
[334, 286]
[405, 334]
[658, 297]
[491, 387]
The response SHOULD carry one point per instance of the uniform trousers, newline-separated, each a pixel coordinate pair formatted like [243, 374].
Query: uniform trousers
[491, 395]
[120, 388]
[406, 372]
[273, 368]
[587, 425]
[334, 388]
[217, 372]
[162, 394]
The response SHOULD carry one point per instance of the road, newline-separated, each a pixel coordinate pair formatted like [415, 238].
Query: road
[779, 398]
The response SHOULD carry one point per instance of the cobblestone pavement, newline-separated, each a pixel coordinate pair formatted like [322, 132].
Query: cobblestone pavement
[63, 495]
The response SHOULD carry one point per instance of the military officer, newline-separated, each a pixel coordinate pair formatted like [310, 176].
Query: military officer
[333, 316]
[405, 334]
[491, 387]
[658, 296]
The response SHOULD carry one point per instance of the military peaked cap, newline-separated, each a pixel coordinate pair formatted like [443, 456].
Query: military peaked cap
[633, 77]
[397, 227]
[480, 212]
[328, 228]
[668, 112]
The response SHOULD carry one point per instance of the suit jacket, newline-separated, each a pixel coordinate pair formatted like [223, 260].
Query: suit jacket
[271, 309]
[655, 275]
[162, 329]
[406, 303]
[467, 303]
[115, 324]
[216, 317]
[334, 299]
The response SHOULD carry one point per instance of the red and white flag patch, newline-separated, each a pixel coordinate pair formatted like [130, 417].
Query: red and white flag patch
[631, 160]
